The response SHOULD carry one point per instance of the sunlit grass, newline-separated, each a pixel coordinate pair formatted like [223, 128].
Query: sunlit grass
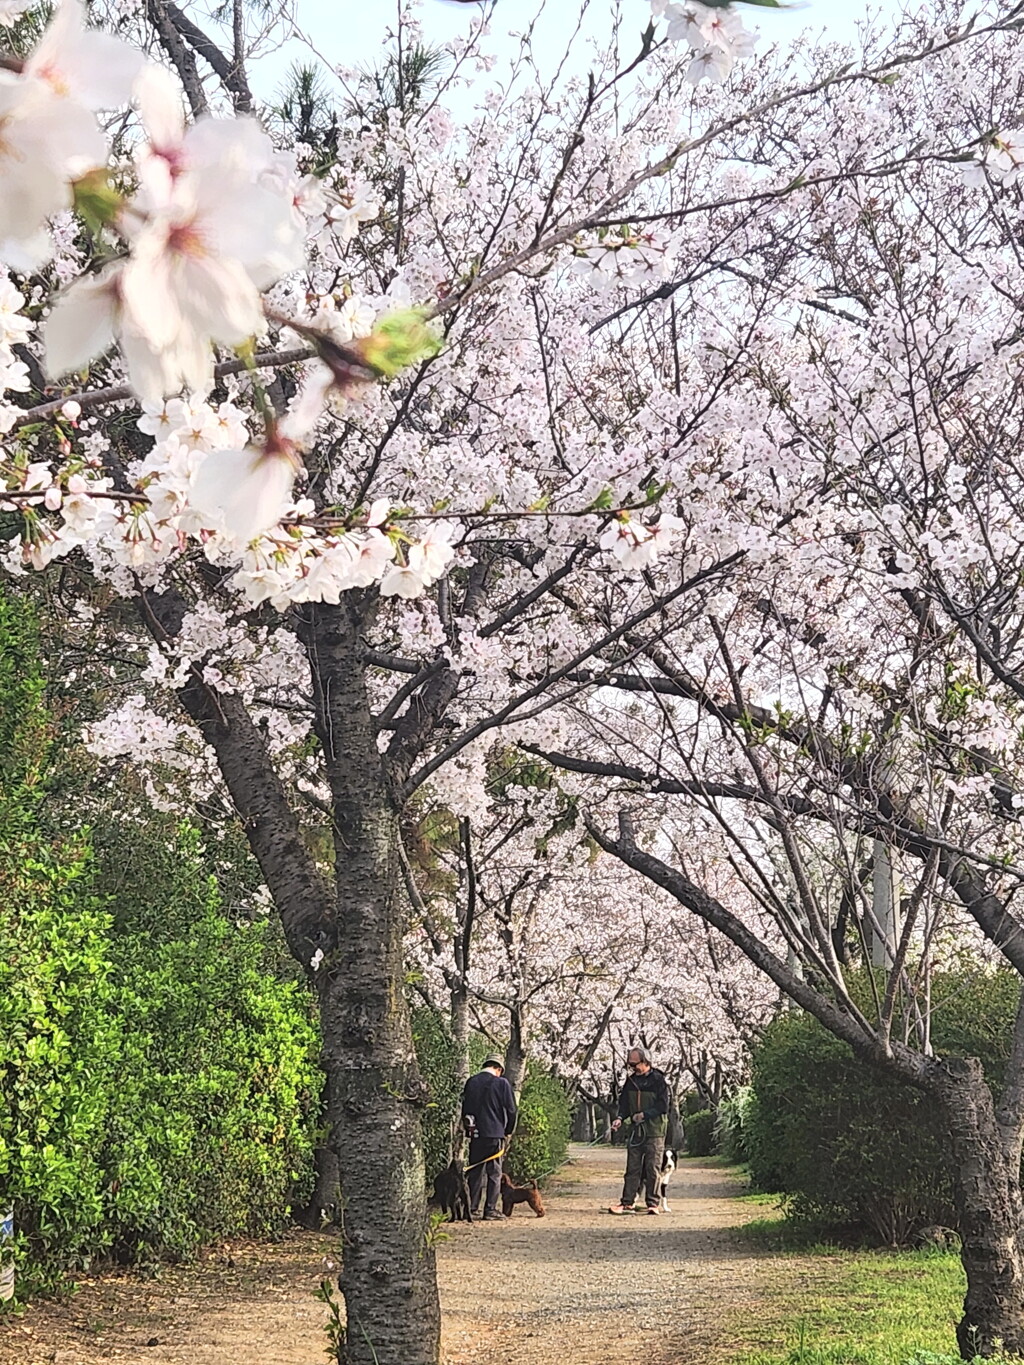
[831, 1306]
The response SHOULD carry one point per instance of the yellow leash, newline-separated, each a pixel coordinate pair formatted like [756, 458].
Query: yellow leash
[485, 1160]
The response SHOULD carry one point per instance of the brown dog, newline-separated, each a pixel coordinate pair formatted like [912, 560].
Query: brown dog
[511, 1195]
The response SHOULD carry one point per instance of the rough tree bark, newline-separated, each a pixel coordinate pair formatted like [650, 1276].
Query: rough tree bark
[986, 1160]
[377, 1095]
[515, 1053]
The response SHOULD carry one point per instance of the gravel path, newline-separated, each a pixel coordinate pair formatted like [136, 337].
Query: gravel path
[575, 1285]
[652, 1289]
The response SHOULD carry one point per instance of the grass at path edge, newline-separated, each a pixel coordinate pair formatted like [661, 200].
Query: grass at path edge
[839, 1307]
[828, 1305]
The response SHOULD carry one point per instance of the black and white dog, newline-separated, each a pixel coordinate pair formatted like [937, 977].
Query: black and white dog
[668, 1165]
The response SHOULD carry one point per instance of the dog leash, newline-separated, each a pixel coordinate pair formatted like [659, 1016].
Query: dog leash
[494, 1157]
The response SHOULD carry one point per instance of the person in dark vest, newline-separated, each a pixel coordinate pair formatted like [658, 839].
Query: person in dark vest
[489, 1118]
[643, 1106]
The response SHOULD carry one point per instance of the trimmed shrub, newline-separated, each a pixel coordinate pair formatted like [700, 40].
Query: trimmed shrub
[853, 1147]
[541, 1139]
[60, 1048]
[59, 1032]
[212, 1125]
[438, 1059]
[699, 1129]
[731, 1126]
[159, 1085]
[159, 1092]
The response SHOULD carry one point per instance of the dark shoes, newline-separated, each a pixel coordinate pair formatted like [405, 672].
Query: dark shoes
[493, 1216]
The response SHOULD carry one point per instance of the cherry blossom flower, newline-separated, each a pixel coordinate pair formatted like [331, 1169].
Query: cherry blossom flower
[48, 133]
[88, 68]
[436, 549]
[15, 328]
[307, 406]
[244, 492]
[406, 580]
[623, 256]
[12, 10]
[634, 545]
[348, 209]
[45, 142]
[715, 34]
[206, 237]
[90, 315]
[1003, 160]
[375, 553]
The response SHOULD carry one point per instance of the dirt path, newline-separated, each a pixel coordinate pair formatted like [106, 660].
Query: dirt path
[651, 1289]
[517, 1293]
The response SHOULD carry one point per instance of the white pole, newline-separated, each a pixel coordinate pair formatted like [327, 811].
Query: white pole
[884, 901]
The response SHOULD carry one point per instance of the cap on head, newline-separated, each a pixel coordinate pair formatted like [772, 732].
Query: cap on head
[496, 1062]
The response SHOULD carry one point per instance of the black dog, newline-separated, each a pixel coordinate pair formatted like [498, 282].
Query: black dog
[451, 1191]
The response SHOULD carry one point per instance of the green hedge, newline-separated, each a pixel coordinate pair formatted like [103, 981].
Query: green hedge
[60, 1038]
[850, 1146]
[213, 1121]
[158, 1083]
[438, 1059]
[158, 1092]
[699, 1131]
[541, 1138]
[731, 1124]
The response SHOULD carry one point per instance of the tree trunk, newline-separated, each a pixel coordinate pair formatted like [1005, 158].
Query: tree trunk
[515, 1056]
[674, 1135]
[376, 1095]
[988, 1199]
[582, 1125]
[388, 1273]
[324, 1204]
[460, 1033]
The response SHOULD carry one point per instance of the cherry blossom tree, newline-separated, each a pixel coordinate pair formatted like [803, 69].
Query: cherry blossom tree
[522, 933]
[536, 949]
[848, 714]
[371, 451]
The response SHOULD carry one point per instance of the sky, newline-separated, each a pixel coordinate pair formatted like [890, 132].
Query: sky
[351, 33]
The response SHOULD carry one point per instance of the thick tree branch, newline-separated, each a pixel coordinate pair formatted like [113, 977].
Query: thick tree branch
[121, 393]
[271, 826]
[231, 71]
[181, 56]
[901, 1060]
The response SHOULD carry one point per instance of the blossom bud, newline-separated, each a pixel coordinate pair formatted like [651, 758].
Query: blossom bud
[398, 341]
[71, 410]
[96, 199]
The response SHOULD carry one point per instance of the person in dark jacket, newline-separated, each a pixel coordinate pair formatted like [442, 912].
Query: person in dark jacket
[643, 1107]
[489, 1118]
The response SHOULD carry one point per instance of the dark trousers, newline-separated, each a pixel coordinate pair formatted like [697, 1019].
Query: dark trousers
[479, 1150]
[643, 1167]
